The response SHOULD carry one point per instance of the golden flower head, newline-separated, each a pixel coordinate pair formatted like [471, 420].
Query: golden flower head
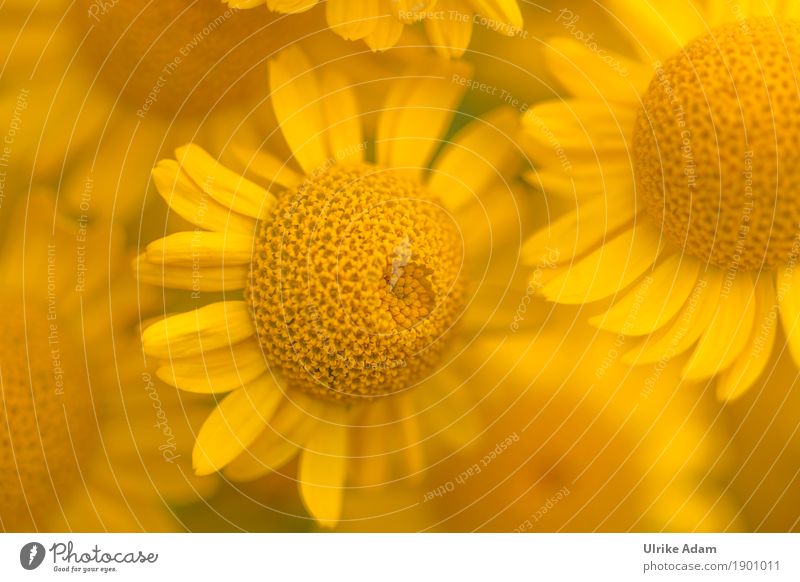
[677, 159]
[346, 275]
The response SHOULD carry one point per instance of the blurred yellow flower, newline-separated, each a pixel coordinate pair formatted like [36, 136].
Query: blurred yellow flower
[86, 443]
[97, 91]
[365, 263]
[380, 23]
[680, 180]
[584, 444]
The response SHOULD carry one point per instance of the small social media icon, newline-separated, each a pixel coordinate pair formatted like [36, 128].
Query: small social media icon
[31, 555]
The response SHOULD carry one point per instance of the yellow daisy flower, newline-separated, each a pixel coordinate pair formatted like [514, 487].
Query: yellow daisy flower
[96, 92]
[675, 159]
[364, 263]
[380, 23]
[81, 448]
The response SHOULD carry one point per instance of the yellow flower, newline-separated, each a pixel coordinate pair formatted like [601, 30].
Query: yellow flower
[380, 23]
[679, 177]
[605, 448]
[365, 262]
[96, 92]
[80, 445]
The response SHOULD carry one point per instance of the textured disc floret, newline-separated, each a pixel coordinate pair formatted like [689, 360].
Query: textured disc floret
[355, 283]
[45, 419]
[717, 145]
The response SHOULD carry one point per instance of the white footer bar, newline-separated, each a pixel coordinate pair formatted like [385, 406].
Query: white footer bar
[402, 557]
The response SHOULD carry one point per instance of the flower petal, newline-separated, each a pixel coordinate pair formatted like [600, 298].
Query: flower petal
[323, 468]
[727, 332]
[202, 248]
[748, 366]
[579, 231]
[216, 371]
[669, 25]
[223, 185]
[235, 424]
[609, 269]
[352, 20]
[450, 34]
[417, 112]
[788, 283]
[194, 332]
[295, 98]
[501, 15]
[650, 305]
[484, 152]
[192, 204]
[387, 29]
[687, 326]
[200, 278]
[342, 122]
[291, 6]
[289, 429]
[585, 74]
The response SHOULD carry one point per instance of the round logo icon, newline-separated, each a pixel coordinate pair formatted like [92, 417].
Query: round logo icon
[31, 555]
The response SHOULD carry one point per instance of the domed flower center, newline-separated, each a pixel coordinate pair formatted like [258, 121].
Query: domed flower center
[172, 55]
[717, 145]
[355, 283]
[45, 419]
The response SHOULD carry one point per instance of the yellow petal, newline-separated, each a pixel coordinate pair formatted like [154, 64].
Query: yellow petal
[578, 130]
[295, 98]
[202, 248]
[290, 6]
[788, 291]
[235, 424]
[483, 153]
[450, 35]
[223, 185]
[609, 269]
[656, 300]
[583, 181]
[352, 20]
[415, 117]
[687, 326]
[245, 4]
[194, 205]
[200, 278]
[207, 328]
[578, 232]
[669, 25]
[387, 29]
[726, 333]
[748, 366]
[265, 165]
[342, 122]
[217, 370]
[410, 11]
[289, 429]
[503, 15]
[585, 74]
[323, 468]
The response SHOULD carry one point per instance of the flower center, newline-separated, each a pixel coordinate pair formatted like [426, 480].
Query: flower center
[717, 145]
[355, 283]
[172, 55]
[44, 421]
